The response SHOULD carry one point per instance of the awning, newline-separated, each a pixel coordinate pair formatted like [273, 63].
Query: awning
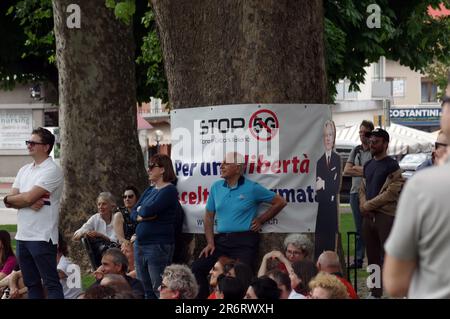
[142, 124]
[403, 139]
[166, 135]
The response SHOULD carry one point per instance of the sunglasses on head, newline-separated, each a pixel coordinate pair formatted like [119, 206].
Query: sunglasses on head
[33, 143]
[128, 196]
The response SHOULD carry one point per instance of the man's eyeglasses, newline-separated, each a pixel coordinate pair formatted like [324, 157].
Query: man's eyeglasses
[437, 145]
[152, 165]
[128, 196]
[33, 143]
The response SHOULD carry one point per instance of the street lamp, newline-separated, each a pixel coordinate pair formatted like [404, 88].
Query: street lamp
[158, 137]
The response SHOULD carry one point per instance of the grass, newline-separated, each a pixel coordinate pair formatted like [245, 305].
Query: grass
[347, 225]
[86, 281]
[11, 229]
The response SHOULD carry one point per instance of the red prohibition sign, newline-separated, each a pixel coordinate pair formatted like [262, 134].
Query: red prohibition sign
[264, 120]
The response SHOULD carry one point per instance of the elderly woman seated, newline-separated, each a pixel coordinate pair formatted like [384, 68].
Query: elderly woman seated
[178, 282]
[297, 247]
[97, 234]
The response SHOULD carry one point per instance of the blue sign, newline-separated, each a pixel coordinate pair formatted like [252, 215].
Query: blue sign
[416, 116]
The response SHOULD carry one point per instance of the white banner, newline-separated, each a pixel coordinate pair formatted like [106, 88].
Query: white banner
[15, 129]
[281, 144]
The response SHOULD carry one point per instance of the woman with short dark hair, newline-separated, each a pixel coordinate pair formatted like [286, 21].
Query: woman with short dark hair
[155, 233]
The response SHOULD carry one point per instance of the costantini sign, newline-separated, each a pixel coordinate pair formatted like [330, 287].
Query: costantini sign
[280, 144]
[416, 116]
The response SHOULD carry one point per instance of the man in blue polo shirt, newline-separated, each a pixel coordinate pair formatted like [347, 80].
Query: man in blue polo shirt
[233, 203]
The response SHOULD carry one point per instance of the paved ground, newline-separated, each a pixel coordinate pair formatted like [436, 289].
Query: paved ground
[8, 216]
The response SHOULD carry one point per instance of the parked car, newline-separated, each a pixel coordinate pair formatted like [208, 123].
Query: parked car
[410, 162]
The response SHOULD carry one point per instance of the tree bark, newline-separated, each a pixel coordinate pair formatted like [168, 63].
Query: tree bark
[243, 51]
[97, 97]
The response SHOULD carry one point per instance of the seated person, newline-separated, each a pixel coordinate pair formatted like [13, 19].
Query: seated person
[283, 282]
[301, 272]
[106, 292]
[217, 270]
[327, 286]
[65, 269]
[115, 262]
[296, 247]
[7, 258]
[98, 233]
[13, 286]
[241, 272]
[230, 288]
[329, 262]
[125, 228]
[178, 282]
[263, 288]
[120, 284]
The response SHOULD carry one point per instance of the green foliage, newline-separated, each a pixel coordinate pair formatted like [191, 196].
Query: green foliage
[27, 49]
[36, 19]
[123, 10]
[151, 59]
[439, 72]
[407, 34]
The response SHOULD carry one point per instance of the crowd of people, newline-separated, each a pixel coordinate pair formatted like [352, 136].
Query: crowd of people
[131, 246]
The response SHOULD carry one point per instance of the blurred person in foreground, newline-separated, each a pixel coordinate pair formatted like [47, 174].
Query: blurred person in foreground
[417, 254]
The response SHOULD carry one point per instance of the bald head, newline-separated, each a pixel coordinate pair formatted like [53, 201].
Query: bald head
[329, 262]
[234, 158]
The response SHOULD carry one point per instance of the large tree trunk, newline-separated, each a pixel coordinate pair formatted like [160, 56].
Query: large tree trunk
[243, 51]
[100, 147]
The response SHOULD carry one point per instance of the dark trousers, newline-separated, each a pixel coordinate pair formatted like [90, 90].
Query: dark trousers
[376, 230]
[240, 246]
[357, 217]
[37, 259]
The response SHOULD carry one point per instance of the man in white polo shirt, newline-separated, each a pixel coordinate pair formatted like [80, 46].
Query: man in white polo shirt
[36, 193]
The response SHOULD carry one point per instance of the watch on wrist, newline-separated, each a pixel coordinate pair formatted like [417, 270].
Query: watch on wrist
[5, 201]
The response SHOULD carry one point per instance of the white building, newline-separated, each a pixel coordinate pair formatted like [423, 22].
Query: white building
[22, 109]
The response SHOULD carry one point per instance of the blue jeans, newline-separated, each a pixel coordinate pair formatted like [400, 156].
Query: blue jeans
[37, 259]
[150, 261]
[360, 245]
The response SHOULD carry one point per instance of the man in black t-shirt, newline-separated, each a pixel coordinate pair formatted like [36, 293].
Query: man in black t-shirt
[378, 195]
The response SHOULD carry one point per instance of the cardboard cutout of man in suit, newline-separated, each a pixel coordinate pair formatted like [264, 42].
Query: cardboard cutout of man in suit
[328, 180]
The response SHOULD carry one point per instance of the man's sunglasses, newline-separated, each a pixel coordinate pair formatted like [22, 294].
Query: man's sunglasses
[437, 145]
[33, 143]
[128, 196]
